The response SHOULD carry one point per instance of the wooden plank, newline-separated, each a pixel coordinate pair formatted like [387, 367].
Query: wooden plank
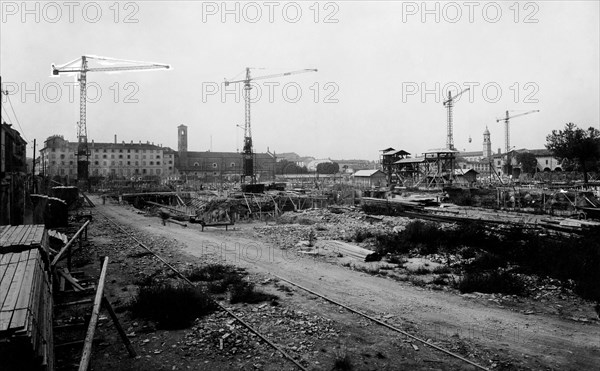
[2, 271]
[6, 281]
[6, 241]
[25, 296]
[15, 258]
[29, 238]
[24, 234]
[89, 337]
[4, 229]
[18, 236]
[5, 258]
[13, 294]
[71, 280]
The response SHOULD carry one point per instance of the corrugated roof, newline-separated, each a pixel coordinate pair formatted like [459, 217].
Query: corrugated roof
[398, 152]
[464, 172]
[441, 150]
[367, 173]
[410, 160]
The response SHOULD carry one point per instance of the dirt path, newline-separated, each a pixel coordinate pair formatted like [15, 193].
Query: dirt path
[533, 341]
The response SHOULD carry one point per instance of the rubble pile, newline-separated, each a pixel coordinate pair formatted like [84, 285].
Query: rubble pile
[221, 335]
[327, 225]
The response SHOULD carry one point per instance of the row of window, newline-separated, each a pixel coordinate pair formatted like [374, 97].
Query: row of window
[215, 165]
[120, 150]
[128, 156]
[113, 163]
[115, 171]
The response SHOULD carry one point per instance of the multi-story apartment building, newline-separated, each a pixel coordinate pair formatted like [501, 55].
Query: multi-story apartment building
[114, 160]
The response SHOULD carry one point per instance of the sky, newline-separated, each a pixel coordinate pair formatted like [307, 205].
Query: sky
[384, 70]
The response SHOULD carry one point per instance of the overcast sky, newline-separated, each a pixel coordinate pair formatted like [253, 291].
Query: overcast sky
[383, 68]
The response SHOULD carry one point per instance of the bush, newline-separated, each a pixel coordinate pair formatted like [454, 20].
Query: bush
[245, 292]
[421, 270]
[172, 306]
[397, 259]
[486, 261]
[492, 282]
[442, 269]
[361, 235]
[343, 363]
[221, 286]
[211, 272]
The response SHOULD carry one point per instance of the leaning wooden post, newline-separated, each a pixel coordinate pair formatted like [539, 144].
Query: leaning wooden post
[69, 253]
[59, 256]
[124, 338]
[89, 337]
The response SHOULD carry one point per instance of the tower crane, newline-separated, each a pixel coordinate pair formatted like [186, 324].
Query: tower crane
[81, 67]
[507, 126]
[449, 103]
[247, 151]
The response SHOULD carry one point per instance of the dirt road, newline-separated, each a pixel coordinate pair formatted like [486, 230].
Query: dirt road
[531, 341]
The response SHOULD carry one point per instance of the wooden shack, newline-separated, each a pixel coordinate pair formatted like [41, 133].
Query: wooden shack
[25, 299]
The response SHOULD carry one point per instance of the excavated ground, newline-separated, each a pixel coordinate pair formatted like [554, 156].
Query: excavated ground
[550, 329]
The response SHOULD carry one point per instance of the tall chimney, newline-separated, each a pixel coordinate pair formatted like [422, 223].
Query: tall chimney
[115, 138]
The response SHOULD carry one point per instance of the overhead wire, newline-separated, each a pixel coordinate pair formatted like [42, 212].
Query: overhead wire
[15, 116]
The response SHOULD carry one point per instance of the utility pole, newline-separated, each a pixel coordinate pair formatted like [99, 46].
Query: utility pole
[33, 170]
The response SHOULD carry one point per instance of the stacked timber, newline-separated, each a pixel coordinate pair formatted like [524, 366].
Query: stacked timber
[51, 211]
[70, 195]
[25, 299]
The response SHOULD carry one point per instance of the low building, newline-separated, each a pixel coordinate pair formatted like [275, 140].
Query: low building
[216, 167]
[369, 178]
[13, 175]
[115, 160]
[465, 177]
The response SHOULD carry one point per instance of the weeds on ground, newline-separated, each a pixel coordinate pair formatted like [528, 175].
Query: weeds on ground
[211, 272]
[421, 270]
[492, 282]
[227, 278]
[342, 361]
[361, 235]
[397, 259]
[442, 269]
[442, 280]
[171, 306]
[245, 292]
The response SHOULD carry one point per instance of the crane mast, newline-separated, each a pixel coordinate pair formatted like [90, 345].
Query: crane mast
[80, 66]
[83, 152]
[449, 103]
[506, 120]
[248, 150]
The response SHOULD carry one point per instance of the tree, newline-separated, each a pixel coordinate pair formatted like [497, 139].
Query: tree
[528, 162]
[287, 167]
[577, 145]
[328, 168]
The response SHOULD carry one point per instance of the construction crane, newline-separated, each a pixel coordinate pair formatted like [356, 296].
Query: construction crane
[449, 103]
[247, 151]
[80, 66]
[507, 126]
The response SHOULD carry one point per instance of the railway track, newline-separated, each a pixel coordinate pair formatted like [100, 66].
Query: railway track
[230, 313]
[275, 346]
